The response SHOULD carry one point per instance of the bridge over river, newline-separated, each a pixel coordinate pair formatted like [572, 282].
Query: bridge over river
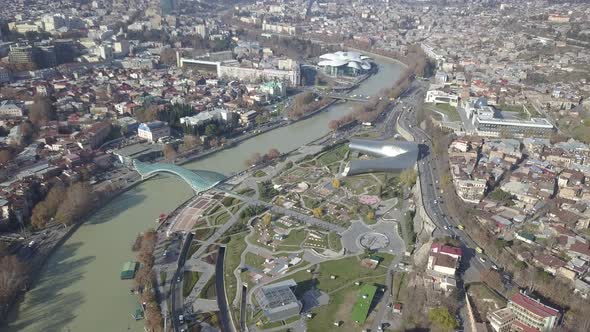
[199, 180]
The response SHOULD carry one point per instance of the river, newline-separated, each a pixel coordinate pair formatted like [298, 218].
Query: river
[79, 289]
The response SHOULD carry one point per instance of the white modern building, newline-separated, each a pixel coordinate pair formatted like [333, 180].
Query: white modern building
[441, 97]
[344, 63]
[488, 122]
[203, 118]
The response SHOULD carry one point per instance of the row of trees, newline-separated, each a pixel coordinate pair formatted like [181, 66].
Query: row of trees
[377, 105]
[305, 103]
[145, 280]
[65, 205]
[258, 158]
[13, 274]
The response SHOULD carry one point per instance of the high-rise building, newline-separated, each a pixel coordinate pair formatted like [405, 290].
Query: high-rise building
[20, 54]
[65, 50]
[45, 56]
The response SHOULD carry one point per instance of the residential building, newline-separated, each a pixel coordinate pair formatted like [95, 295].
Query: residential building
[8, 109]
[501, 320]
[531, 313]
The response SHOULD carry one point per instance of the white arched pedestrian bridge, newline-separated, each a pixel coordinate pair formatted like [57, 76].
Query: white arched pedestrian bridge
[199, 180]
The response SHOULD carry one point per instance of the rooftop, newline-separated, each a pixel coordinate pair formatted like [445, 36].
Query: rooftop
[534, 306]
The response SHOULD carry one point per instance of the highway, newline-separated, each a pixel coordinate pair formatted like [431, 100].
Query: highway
[224, 313]
[176, 299]
[432, 201]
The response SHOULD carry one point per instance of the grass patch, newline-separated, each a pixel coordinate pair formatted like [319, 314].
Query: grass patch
[254, 260]
[340, 309]
[189, 281]
[259, 174]
[448, 110]
[333, 155]
[295, 238]
[310, 203]
[334, 241]
[398, 282]
[346, 270]
[234, 249]
[247, 192]
[208, 292]
[163, 276]
[203, 234]
[193, 248]
[219, 219]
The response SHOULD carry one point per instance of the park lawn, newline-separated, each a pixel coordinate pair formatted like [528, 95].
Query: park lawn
[203, 234]
[189, 281]
[358, 183]
[333, 155]
[209, 291]
[311, 203]
[234, 249]
[259, 174]
[254, 260]
[398, 282]
[340, 309]
[448, 110]
[334, 241]
[295, 238]
[247, 192]
[346, 270]
[387, 259]
[219, 219]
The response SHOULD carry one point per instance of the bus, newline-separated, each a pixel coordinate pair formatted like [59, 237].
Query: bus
[478, 250]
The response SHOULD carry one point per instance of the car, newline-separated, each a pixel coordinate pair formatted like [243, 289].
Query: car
[483, 260]
[165, 252]
[181, 319]
[178, 279]
[495, 267]
[446, 227]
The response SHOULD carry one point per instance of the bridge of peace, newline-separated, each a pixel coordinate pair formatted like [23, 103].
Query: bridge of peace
[199, 180]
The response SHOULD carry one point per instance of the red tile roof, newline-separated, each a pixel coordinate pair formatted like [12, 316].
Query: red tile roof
[533, 306]
[523, 328]
[447, 250]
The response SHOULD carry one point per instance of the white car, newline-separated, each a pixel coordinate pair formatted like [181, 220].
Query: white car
[483, 260]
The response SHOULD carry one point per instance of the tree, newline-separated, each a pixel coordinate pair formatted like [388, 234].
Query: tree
[169, 152]
[335, 183]
[77, 201]
[371, 215]
[211, 130]
[12, 278]
[26, 131]
[442, 319]
[41, 111]
[5, 156]
[317, 212]
[266, 219]
[46, 209]
[273, 154]
[408, 177]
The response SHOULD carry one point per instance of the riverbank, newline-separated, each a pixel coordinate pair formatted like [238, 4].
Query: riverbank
[67, 296]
